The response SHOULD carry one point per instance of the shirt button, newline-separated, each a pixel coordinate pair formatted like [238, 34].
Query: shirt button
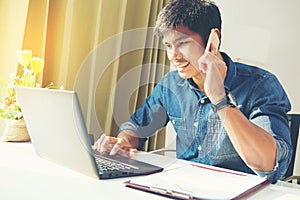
[196, 124]
[199, 148]
[202, 101]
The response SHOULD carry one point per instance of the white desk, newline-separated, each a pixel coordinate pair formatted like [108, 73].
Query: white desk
[23, 175]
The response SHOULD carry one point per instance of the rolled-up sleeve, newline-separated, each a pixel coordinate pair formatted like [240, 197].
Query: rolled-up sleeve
[283, 157]
[269, 111]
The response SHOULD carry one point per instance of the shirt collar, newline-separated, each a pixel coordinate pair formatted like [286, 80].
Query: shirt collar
[231, 71]
[189, 82]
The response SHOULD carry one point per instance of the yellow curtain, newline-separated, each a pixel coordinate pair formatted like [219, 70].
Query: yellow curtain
[103, 49]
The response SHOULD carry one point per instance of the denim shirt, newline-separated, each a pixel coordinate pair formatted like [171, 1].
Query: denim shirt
[201, 136]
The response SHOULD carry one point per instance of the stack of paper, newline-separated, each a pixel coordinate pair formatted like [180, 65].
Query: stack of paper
[199, 182]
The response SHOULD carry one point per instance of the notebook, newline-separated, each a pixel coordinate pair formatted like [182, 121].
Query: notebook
[199, 181]
[58, 133]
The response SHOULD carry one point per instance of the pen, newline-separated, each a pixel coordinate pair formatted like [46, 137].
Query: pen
[219, 170]
[173, 193]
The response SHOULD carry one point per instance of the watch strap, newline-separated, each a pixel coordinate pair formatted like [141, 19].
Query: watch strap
[227, 100]
[220, 104]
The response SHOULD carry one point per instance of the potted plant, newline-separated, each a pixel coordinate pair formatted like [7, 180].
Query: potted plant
[10, 111]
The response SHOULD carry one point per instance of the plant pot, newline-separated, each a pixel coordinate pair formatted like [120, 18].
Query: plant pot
[15, 131]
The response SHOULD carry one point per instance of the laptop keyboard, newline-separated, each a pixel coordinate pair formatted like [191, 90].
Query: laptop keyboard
[105, 164]
[118, 166]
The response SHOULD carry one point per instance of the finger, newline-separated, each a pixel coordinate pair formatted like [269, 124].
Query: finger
[104, 144]
[119, 144]
[213, 49]
[115, 149]
[95, 146]
[203, 64]
[128, 152]
[107, 144]
[207, 60]
[124, 152]
[98, 143]
[133, 153]
[113, 140]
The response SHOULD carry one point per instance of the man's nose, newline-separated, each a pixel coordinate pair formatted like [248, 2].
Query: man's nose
[175, 54]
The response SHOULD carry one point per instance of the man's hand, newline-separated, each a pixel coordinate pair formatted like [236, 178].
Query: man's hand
[214, 69]
[113, 146]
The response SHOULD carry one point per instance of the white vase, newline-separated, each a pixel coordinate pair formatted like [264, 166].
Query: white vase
[15, 131]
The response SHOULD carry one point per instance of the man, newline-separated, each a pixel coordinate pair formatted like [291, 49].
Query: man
[250, 135]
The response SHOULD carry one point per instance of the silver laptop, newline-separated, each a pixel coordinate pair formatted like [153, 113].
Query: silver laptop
[58, 133]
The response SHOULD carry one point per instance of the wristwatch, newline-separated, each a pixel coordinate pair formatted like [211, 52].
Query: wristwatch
[228, 100]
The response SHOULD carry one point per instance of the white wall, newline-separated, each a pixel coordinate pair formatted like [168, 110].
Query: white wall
[267, 32]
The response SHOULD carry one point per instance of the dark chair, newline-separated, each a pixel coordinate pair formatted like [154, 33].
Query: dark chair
[294, 122]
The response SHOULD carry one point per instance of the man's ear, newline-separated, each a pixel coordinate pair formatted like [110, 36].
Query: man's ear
[218, 32]
[213, 41]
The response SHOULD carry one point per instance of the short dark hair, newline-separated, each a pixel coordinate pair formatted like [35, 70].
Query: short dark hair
[200, 16]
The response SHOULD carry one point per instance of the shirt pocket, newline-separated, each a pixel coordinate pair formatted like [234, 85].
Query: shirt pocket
[217, 141]
[178, 123]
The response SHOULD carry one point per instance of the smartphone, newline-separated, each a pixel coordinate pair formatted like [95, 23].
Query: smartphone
[213, 39]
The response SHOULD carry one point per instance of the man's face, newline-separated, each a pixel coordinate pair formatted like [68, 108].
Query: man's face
[184, 48]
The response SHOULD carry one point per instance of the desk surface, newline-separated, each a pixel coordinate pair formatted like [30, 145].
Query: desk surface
[23, 175]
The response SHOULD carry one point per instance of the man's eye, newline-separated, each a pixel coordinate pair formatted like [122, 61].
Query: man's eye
[183, 42]
[168, 46]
